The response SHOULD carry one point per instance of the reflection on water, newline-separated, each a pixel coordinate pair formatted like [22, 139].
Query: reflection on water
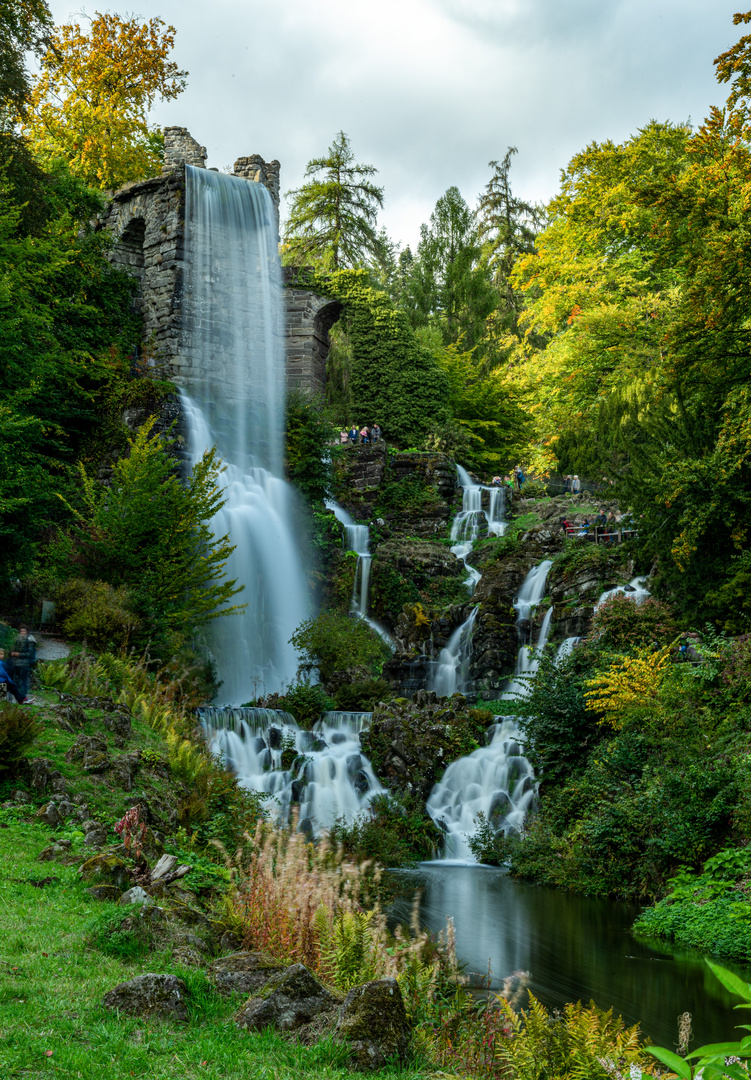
[575, 948]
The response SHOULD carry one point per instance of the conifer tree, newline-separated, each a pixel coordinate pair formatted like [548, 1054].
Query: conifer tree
[332, 221]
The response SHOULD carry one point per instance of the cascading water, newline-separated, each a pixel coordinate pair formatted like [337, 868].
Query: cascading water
[451, 673]
[528, 657]
[497, 779]
[323, 770]
[636, 590]
[357, 539]
[233, 328]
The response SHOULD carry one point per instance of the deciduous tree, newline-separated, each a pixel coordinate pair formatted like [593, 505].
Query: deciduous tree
[90, 103]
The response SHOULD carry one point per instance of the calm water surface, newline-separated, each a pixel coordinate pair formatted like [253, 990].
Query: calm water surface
[575, 948]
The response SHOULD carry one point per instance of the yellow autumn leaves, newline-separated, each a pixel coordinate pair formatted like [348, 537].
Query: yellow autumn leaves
[631, 681]
[90, 103]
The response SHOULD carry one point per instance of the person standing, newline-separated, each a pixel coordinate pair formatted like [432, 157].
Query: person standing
[365, 436]
[576, 485]
[375, 432]
[343, 437]
[5, 680]
[353, 434]
[24, 653]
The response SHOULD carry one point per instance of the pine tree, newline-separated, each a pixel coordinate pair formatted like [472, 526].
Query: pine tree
[332, 221]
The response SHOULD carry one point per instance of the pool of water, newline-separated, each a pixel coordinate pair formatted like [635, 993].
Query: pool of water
[574, 948]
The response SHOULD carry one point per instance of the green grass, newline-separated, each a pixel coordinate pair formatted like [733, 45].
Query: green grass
[53, 1023]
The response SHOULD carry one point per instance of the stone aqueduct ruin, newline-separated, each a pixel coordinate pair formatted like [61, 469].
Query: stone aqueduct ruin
[148, 218]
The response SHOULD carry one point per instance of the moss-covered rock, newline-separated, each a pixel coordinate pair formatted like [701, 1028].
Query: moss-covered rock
[414, 573]
[243, 972]
[374, 1024]
[289, 1000]
[410, 743]
[106, 867]
[149, 996]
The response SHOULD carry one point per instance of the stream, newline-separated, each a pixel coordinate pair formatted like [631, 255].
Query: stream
[573, 947]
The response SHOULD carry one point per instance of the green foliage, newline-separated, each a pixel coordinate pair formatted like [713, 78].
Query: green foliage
[717, 1060]
[151, 534]
[332, 643]
[394, 382]
[308, 449]
[558, 729]
[710, 910]
[24, 24]
[332, 219]
[120, 933]
[362, 696]
[95, 612]
[18, 730]
[488, 845]
[621, 624]
[391, 832]
[304, 701]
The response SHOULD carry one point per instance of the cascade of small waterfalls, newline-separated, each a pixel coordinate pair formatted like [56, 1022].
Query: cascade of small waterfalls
[357, 539]
[323, 769]
[496, 780]
[451, 673]
[233, 328]
[636, 590]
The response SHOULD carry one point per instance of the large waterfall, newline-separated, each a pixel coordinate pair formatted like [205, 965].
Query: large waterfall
[233, 331]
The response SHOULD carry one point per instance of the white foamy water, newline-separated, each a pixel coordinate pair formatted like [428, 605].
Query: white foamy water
[323, 770]
[234, 333]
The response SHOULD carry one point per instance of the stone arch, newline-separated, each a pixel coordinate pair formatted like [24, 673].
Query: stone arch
[309, 319]
[129, 253]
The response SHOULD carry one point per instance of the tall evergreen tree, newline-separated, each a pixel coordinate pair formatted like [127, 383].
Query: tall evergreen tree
[507, 227]
[332, 221]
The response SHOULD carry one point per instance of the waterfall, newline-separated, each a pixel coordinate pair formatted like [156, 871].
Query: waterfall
[234, 333]
[528, 657]
[357, 539]
[565, 648]
[451, 673]
[322, 770]
[636, 590]
[496, 780]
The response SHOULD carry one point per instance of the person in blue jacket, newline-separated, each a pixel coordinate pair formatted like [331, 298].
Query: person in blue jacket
[5, 678]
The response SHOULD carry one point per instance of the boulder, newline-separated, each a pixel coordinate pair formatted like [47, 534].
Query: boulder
[118, 723]
[243, 972]
[49, 814]
[104, 892]
[124, 769]
[374, 1024]
[40, 770]
[149, 996]
[136, 895]
[95, 837]
[107, 866]
[288, 1000]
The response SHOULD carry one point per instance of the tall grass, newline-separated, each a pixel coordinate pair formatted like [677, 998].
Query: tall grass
[308, 904]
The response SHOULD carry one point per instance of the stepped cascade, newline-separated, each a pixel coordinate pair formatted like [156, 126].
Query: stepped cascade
[323, 770]
[495, 780]
[233, 329]
[451, 672]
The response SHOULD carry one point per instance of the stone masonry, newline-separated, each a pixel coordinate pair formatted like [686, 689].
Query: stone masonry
[148, 220]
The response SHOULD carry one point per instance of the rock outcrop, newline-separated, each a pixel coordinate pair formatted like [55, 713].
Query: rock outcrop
[288, 1000]
[149, 996]
[243, 972]
[374, 1024]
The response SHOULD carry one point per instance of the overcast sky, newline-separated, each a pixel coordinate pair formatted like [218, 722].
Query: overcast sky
[430, 91]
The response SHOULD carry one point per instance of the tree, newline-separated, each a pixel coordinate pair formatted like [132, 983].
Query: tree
[447, 284]
[23, 27]
[332, 221]
[151, 533]
[90, 103]
[507, 228]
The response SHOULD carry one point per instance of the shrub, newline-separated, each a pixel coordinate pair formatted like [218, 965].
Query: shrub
[363, 695]
[621, 624]
[18, 730]
[97, 613]
[332, 642]
[534, 489]
[391, 832]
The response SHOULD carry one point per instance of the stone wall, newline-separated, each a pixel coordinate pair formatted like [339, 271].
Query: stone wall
[148, 220]
[309, 319]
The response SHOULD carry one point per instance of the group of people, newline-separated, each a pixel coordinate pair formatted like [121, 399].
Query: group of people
[15, 670]
[608, 523]
[572, 484]
[364, 436]
[513, 481]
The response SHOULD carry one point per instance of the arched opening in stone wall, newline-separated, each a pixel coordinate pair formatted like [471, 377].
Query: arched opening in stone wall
[129, 254]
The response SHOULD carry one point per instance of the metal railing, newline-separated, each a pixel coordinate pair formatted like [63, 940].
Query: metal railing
[601, 534]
